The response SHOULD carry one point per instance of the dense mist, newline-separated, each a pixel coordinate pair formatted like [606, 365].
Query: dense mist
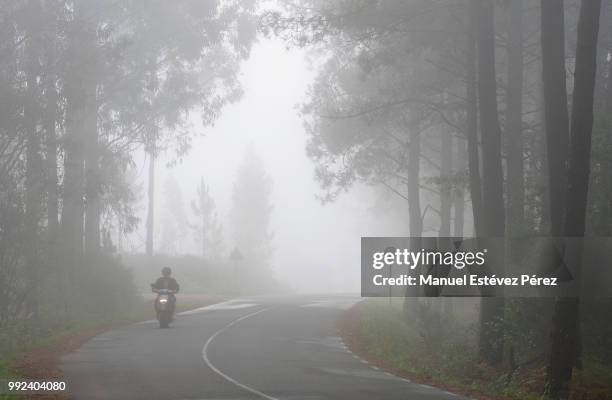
[251, 145]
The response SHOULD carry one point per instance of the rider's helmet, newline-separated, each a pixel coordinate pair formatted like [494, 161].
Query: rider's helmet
[166, 271]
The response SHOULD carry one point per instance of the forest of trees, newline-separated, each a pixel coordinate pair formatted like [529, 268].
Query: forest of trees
[84, 87]
[501, 108]
[489, 118]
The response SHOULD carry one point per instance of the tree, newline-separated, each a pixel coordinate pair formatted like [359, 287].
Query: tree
[209, 230]
[446, 183]
[250, 214]
[50, 120]
[565, 337]
[150, 202]
[515, 187]
[459, 189]
[174, 220]
[555, 107]
[491, 343]
[471, 121]
[79, 89]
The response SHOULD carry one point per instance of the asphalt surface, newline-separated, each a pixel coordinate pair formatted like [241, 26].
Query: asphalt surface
[259, 348]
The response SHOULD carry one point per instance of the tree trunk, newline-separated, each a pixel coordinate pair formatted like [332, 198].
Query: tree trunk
[81, 41]
[92, 174]
[446, 162]
[472, 124]
[51, 99]
[515, 187]
[151, 200]
[93, 181]
[604, 226]
[51, 165]
[414, 209]
[542, 209]
[565, 337]
[414, 190]
[34, 182]
[73, 207]
[458, 191]
[491, 342]
[555, 107]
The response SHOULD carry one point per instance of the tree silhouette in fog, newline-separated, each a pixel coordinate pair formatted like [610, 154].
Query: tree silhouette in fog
[250, 215]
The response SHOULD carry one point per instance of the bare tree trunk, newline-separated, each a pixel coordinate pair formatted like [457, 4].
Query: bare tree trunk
[493, 204]
[446, 162]
[414, 209]
[73, 206]
[565, 337]
[491, 342]
[472, 123]
[92, 175]
[515, 187]
[458, 191]
[543, 186]
[605, 220]
[81, 41]
[151, 200]
[51, 99]
[51, 165]
[555, 107]
[93, 180]
[414, 190]
[34, 182]
[446, 154]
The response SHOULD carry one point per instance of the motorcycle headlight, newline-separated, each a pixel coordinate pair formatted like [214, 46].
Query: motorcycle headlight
[163, 300]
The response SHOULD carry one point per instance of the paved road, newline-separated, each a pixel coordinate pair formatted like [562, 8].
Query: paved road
[261, 348]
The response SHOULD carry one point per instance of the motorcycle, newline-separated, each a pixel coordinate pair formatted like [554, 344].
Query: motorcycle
[164, 306]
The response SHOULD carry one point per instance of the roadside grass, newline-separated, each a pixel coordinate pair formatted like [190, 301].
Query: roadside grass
[593, 382]
[443, 353]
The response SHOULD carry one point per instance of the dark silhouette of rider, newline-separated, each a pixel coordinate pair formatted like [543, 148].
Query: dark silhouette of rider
[168, 283]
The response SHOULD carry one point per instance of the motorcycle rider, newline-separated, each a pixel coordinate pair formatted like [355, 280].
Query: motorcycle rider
[168, 283]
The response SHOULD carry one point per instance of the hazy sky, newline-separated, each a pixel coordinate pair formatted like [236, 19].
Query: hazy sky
[311, 241]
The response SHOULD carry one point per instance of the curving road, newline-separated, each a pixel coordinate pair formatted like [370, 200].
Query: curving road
[260, 348]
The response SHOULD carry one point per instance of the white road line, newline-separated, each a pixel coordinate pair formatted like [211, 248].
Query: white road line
[234, 304]
[225, 376]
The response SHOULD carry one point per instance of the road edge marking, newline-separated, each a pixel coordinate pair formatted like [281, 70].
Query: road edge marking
[218, 371]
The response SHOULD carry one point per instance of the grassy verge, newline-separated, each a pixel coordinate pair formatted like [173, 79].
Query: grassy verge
[446, 357]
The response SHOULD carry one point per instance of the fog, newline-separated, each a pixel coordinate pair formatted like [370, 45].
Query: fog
[251, 145]
[309, 253]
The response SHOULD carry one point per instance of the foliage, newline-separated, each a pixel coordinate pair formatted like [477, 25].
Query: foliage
[450, 361]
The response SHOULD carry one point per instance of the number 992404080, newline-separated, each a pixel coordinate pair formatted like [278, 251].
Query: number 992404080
[32, 386]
